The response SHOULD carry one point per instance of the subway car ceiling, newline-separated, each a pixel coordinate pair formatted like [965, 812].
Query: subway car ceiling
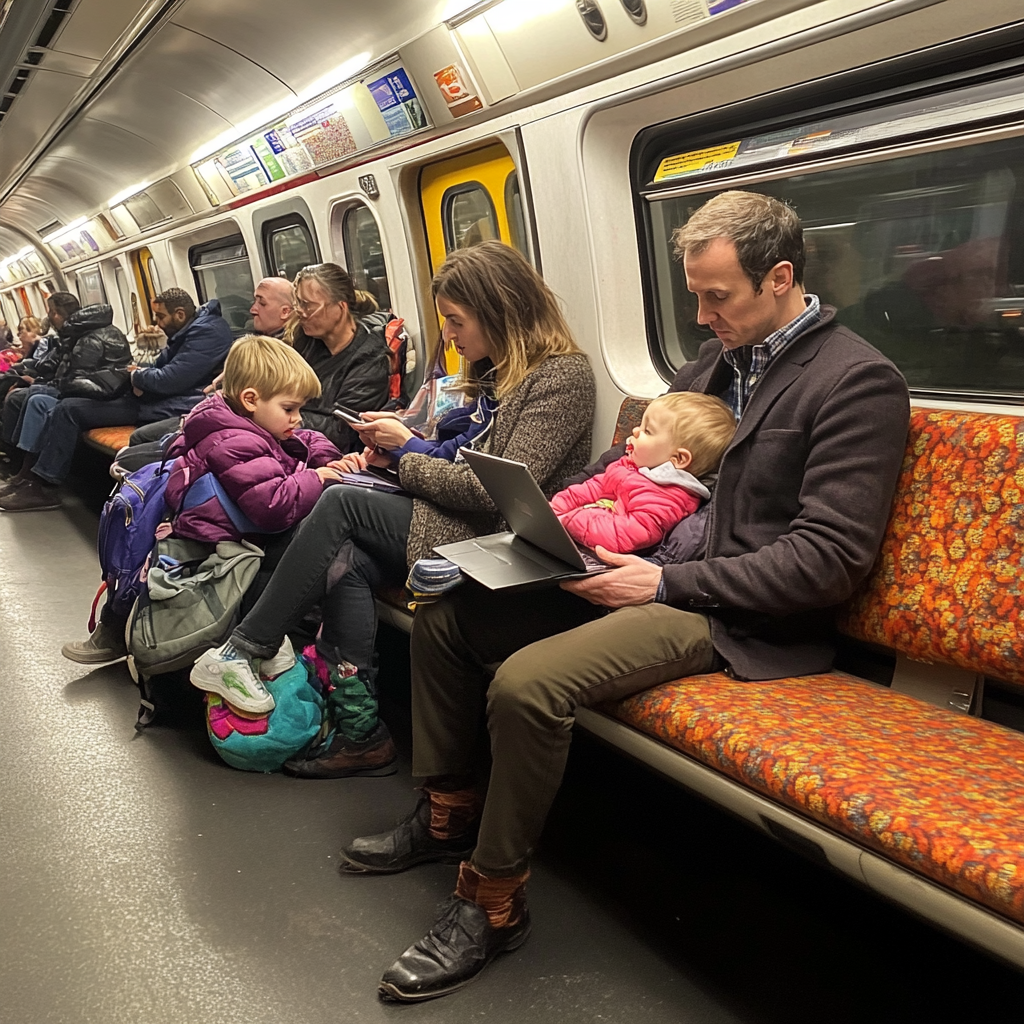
[181, 132]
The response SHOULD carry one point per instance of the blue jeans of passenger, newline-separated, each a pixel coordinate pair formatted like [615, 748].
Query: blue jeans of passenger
[14, 408]
[69, 418]
[352, 542]
[35, 415]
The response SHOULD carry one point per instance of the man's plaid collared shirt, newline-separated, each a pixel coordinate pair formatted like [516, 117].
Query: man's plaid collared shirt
[750, 362]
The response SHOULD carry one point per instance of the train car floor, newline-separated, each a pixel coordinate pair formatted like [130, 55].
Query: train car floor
[145, 882]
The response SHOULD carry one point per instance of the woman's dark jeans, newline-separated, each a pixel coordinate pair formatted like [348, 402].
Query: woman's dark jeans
[353, 541]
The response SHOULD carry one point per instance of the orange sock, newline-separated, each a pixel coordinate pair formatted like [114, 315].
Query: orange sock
[503, 899]
[452, 814]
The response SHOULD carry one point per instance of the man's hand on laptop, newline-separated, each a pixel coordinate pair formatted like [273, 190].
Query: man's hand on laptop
[633, 581]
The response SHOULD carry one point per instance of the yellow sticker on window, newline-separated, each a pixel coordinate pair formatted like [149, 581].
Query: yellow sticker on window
[699, 160]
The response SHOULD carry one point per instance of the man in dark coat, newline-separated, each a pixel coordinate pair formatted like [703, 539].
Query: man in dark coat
[271, 309]
[794, 524]
[198, 341]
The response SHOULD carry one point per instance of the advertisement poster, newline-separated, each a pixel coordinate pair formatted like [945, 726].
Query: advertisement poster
[265, 155]
[396, 100]
[325, 134]
[243, 170]
[287, 150]
[454, 85]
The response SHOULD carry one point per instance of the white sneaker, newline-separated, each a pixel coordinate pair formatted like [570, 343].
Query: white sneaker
[271, 668]
[226, 672]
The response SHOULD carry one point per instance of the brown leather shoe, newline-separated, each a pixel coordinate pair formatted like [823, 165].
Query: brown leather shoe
[31, 496]
[375, 757]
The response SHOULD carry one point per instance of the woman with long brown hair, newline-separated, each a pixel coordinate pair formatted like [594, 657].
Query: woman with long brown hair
[504, 320]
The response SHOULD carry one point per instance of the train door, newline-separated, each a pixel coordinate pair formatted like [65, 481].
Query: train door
[469, 199]
[147, 282]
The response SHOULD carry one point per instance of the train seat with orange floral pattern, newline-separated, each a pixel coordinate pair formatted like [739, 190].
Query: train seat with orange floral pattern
[937, 792]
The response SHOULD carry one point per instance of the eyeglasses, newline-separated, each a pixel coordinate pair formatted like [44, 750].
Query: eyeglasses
[308, 308]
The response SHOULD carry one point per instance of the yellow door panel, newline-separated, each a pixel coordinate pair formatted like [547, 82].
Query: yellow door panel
[463, 202]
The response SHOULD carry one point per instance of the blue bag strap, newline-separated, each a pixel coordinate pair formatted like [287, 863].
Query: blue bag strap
[208, 486]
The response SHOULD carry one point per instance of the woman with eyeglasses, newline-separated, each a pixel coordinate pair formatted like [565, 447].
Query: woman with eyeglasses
[339, 332]
[506, 324]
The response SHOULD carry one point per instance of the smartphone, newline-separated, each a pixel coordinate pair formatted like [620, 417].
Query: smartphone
[350, 416]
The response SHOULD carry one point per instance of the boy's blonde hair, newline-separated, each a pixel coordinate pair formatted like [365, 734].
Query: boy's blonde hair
[704, 425]
[270, 367]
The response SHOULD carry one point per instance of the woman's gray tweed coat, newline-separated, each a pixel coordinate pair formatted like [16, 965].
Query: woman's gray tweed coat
[545, 422]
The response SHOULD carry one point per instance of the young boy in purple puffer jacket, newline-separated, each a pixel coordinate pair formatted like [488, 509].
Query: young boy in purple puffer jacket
[247, 438]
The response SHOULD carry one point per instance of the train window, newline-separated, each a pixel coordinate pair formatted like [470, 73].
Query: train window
[124, 293]
[90, 287]
[364, 254]
[514, 209]
[922, 253]
[288, 245]
[221, 271]
[154, 274]
[467, 215]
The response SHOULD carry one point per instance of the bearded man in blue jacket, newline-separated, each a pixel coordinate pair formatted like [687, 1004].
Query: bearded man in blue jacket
[198, 342]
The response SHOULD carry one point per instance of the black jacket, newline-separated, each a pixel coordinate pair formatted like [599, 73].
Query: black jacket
[357, 377]
[88, 347]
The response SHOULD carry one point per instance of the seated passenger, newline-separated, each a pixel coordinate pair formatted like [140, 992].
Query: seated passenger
[272, 307]
[197, 343]
[30, 334]
[249, 438]
[634, 503]
[341, 335]
[90, 359]
[795, 523]
[498, 312]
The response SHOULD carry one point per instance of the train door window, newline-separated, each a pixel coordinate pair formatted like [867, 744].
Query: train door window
[125, 295]
[364, 253]
[288, 245]
[516, 218]
[221, 271]
[920, 249]
[468, 216]
[146, 287]
[10, 311]
[154, 274]
[463, 202]
[90, 287]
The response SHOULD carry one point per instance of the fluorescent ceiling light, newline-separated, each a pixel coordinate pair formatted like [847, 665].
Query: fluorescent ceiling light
[66, 230]
[127, 193]
[276, 111]
[22, 253]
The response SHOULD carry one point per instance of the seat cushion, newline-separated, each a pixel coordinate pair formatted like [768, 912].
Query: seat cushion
[948, 585]
[114, 438]
[939, 793]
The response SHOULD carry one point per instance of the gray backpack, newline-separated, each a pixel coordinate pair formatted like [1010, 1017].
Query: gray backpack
[189, 603]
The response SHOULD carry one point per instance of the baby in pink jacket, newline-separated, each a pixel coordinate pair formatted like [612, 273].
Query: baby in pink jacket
[639, 498]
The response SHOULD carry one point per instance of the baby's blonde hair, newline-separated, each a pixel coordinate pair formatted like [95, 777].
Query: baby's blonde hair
[704, 425]
[270, 367]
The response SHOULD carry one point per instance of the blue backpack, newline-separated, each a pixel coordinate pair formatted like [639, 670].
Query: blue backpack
[128, 530]
[128, 525]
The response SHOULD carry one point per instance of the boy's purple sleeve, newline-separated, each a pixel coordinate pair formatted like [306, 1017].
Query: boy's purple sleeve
[257, 483]
[320, 447]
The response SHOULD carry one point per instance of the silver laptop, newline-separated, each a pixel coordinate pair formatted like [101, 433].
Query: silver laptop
[537, 550]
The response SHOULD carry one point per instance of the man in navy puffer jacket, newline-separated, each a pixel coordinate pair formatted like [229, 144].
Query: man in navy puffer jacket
[198, 341]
